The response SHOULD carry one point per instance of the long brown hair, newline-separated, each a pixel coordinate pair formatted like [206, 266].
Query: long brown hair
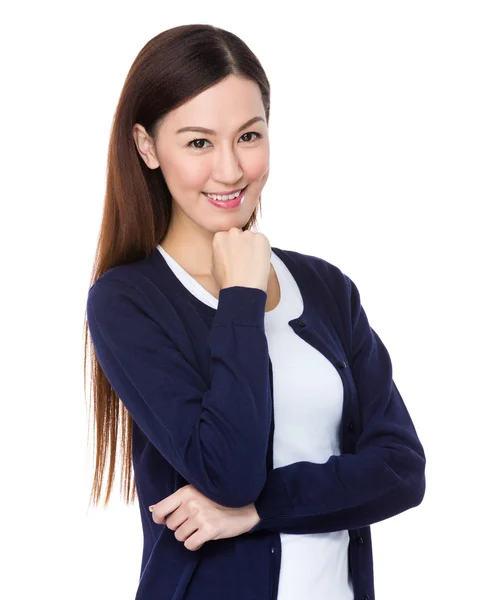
[172, 68]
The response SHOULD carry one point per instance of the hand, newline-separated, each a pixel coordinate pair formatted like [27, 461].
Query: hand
[241, 258]
[196, 519]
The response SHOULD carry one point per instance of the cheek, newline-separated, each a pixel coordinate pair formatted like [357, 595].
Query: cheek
[195, 178]
[257, 166]
[189, 174]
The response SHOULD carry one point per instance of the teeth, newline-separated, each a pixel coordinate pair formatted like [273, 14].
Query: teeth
[230, 197]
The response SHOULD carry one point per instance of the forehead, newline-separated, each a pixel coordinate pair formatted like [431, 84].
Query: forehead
[223, 107]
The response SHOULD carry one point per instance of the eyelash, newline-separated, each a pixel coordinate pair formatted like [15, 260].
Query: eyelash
[189, 145]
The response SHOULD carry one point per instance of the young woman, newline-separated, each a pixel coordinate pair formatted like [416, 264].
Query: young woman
[259, 418]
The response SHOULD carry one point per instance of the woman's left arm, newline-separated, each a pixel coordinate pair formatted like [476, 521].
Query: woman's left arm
[385, 475]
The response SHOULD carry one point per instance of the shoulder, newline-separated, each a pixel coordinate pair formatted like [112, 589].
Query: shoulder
[136, 283]
[114, 282]
[319, 270]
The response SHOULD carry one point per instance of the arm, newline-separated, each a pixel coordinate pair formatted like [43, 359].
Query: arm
[385, 475]
[207, 433]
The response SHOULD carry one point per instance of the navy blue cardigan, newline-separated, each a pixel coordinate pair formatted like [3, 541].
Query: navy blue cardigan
[198, 384]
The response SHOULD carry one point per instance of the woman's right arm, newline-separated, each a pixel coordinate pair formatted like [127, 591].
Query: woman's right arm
[215, 437]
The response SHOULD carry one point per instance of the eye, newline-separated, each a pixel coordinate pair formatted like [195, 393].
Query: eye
[258, 135]
[196, 140]
[191, 144]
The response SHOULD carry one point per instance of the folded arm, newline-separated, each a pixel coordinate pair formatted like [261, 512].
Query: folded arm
[383, 477]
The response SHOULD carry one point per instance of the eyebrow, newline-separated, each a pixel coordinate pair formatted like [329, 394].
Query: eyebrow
[212, 132]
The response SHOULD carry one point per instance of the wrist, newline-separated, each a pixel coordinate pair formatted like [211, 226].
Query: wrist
[254, 518]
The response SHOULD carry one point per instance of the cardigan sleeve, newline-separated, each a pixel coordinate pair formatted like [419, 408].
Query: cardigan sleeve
[205, 431]
[383, 477]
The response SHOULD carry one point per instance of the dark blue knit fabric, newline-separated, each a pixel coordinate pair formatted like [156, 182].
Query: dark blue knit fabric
[198, 384]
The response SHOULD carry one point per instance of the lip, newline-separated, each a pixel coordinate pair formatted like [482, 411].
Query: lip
[228, 204]
[225, 193]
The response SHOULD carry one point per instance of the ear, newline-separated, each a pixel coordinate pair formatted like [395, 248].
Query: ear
[145, 146]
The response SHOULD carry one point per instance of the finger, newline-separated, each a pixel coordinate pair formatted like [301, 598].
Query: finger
[187, 529]
[176, 519]
[168, 505]
[165, 507]
[159, 515]
[195, 541]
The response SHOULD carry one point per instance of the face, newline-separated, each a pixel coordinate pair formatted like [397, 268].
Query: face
[233, 156]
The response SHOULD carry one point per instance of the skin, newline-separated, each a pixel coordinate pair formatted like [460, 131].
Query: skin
[196, 519]
[226, 161]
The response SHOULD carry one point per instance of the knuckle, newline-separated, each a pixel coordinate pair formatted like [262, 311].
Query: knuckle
[191, 503]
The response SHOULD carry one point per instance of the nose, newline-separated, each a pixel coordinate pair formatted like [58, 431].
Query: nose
[226, 168]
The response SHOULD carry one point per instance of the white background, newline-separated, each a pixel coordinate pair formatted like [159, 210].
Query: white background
[385, 160]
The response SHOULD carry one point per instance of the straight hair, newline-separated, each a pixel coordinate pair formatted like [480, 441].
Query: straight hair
[173, 67]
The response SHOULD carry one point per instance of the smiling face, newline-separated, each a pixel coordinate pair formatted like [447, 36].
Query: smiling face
[233, 155]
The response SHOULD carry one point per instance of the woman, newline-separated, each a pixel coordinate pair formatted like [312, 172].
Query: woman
[257, 404]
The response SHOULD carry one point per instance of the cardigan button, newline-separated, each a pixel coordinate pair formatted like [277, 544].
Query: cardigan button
[360, 540]
[350, 426]
[341, 364]
[366, 597]
[301, 323]
[272, 550]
